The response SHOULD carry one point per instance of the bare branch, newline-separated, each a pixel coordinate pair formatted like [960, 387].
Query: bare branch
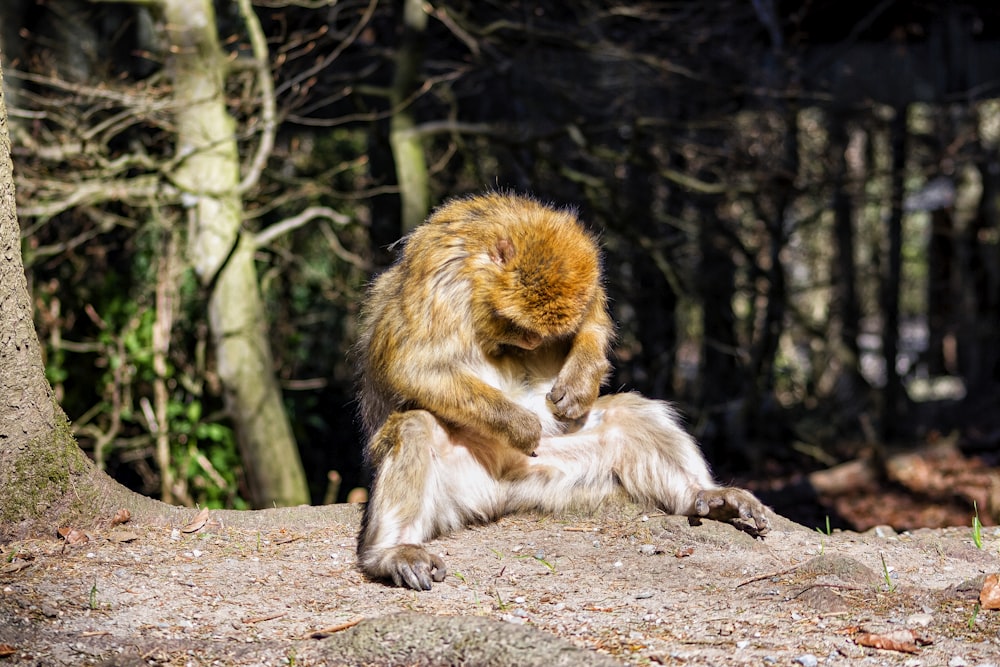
[266, 236]
[97, 192]
[265, 83]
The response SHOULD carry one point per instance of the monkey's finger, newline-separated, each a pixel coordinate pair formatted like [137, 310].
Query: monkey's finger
[557, 394]
[438, 570]
[762, 523]
[411, 576]
[701, 505]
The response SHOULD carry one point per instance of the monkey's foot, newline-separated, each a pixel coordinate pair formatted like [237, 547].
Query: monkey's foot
[408, 565]
[733, 505]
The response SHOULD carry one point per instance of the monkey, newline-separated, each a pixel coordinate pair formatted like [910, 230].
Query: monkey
[480, 359]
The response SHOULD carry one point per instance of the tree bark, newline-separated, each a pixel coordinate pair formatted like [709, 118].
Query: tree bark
[893, 397]
[407, 150]
[223, 257]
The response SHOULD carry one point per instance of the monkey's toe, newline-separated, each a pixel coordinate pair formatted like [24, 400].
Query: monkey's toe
[414, 567]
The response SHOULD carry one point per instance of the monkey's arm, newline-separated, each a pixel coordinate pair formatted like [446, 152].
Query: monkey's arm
[586, 367]
[462, 399]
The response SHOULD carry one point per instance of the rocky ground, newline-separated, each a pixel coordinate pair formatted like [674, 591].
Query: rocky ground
[616, 587]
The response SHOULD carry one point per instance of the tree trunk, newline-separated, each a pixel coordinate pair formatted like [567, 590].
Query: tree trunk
[407, 149]
[844, 270]
[893, 396]
[223, 257]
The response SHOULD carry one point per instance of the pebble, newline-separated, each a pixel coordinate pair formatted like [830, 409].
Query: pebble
[957, 661]
[647, 549]
[807, 660]
[921, 620]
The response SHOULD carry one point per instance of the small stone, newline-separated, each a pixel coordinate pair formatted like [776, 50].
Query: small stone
[882, 531]
[647, 549]
[920, 620]
[957, 661]
[807, 660]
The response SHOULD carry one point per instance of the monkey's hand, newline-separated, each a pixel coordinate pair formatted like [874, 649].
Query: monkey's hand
[575, 390]
[523, 429]
[734, 506]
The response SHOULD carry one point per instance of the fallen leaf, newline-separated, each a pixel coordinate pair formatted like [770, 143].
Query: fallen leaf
[684, 553]
[989, 596]
[904, 641]
[7, 650]
[120, 517]
[197, 523]
[73, 535]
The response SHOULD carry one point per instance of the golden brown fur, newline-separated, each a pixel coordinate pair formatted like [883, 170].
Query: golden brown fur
[481, 355]
[479, 286]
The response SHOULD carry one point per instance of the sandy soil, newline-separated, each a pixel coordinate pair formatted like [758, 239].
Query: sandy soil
[619, 585]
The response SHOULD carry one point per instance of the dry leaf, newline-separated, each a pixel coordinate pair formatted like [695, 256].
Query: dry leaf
[684, 553]
[73, 535]
[120, 517]
[197, 523]
[904, 641]
[989, 596]
[6, 650]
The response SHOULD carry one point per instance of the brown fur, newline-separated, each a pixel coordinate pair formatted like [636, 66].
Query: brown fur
[484, 279]
[481, 355]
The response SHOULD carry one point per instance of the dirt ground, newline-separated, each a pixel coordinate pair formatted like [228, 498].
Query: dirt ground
[618, 586]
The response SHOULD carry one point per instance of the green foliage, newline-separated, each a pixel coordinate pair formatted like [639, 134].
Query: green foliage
[205, 456]
[974, 615]
[977, 527]
[890, 585]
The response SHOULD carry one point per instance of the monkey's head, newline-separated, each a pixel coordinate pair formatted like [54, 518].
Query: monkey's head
[543, 273]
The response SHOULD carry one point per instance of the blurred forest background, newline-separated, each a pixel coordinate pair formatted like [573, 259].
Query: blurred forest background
[800, 204]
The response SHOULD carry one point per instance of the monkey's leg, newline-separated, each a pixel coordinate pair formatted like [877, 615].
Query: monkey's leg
[423, 486]
[637, 445]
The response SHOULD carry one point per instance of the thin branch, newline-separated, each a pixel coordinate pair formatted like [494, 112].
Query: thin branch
[258, 43]
[325, 62]
[266, 236]
[97, 192]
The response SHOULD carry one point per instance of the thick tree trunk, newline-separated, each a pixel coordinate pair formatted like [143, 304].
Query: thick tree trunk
[223, 257]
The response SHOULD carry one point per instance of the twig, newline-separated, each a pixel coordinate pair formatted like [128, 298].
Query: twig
[771, 574]
[333, 629]
[261, 619]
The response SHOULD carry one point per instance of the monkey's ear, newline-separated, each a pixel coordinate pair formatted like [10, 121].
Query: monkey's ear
[503, 251]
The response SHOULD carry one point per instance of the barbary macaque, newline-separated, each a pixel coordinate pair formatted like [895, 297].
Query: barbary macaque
[481, 355]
